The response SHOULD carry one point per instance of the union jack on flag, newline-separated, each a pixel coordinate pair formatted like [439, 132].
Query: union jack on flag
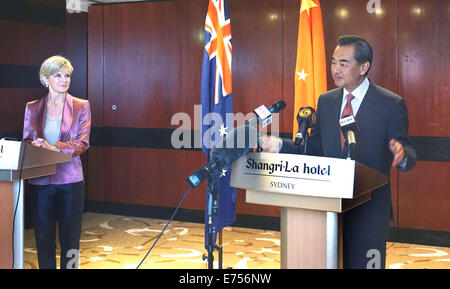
[218, 46]
[216, 97]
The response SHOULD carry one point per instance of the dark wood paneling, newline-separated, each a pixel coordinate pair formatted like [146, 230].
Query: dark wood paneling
[24, 11]
[29, 44]
[24, 44]
[76, 52]
[95, 63]
[424, 54]
[424, 197]
[12, 106]
[190, 32]
[342, 17]
[142, 53]
[257, 62]
[95, 189]
[257, 66]
[291, 10]
[152, 54]
[151, 176]
[424, 47]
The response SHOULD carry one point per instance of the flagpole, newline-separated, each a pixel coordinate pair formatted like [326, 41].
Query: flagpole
[212, 207]
[216, 97]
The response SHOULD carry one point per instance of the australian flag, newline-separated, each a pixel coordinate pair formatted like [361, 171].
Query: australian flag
[216, 100]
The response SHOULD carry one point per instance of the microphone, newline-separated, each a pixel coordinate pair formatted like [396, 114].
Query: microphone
[306, 118]
[236, 144]
[350, 130]
[264, 115]
[277, 106]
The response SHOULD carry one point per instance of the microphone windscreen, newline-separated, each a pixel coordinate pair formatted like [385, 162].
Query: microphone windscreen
[277, 106]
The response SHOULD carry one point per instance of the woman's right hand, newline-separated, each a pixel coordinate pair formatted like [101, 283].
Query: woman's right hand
[40, 142]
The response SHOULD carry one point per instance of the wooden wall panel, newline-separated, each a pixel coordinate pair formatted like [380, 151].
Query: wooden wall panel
[257, 66]
[424, 197]
[142, 54]
[341, 17]
[29, 44]
[95, 64]
[149, 77]
[257, 62]
[151, 177]
[424, 57]
[12, 106]
[24, 51]
[76, 51]
[424, 47]
[95, 189]
[290, 36]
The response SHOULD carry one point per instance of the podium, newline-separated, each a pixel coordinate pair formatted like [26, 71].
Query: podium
[312, 192]
[19, 161]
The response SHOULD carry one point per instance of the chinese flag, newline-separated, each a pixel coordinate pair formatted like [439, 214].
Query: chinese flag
[310, 70]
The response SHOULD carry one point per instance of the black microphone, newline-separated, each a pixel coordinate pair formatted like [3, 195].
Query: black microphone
[277, 106]
[306, 118]
[236, 144]
[350, 130]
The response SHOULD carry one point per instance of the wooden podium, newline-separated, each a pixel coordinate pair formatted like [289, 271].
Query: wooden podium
[35, 162]
[313, 192]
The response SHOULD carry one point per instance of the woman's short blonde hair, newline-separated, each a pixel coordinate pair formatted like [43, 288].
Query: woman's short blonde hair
[53, 65]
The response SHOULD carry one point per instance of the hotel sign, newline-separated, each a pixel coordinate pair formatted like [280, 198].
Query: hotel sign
[294, 174]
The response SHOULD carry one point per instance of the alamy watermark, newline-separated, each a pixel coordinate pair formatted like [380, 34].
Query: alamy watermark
[373, 6]
[73, 6]
[374, 257]
[219, 129]
[74, 256]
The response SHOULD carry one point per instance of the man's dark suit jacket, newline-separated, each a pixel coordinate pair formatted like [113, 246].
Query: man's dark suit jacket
[381, 117]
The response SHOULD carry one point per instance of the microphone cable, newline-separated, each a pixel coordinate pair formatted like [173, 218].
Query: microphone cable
[165, 227]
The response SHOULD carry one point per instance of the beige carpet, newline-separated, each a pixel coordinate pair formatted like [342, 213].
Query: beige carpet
[111, 241]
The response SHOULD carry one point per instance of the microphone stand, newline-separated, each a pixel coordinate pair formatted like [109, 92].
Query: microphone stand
[305, 142]
[349, 154]
[258, 145]
[212, 207]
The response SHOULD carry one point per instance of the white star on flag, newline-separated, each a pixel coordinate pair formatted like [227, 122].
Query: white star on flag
[223, 174]
[223, 130]
[302, 75]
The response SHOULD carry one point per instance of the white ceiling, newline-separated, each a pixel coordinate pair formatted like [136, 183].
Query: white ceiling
[83, 5]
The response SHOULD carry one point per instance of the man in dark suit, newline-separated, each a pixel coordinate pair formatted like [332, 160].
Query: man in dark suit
[383, 142]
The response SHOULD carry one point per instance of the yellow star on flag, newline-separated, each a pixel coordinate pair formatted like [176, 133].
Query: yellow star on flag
[302, 75]
[306, 5]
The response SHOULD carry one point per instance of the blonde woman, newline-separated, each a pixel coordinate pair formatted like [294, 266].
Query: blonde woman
[59, 122]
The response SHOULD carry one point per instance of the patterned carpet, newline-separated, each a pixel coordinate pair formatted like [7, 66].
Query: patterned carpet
[111, 241]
